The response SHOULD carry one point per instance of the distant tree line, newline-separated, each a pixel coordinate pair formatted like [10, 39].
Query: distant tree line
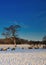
[10, 34]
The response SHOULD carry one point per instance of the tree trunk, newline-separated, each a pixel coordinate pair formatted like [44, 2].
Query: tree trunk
[14, 42]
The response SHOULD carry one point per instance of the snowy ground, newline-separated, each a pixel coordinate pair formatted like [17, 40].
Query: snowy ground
[23, 57]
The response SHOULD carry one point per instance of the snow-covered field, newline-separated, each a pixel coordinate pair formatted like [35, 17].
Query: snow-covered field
[23, 57]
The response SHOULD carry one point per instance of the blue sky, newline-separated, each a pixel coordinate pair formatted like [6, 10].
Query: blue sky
[30, 14]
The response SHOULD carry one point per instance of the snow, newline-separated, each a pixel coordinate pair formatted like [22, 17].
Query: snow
[23, 57]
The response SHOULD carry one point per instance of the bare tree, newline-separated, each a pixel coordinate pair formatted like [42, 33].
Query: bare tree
[44, 41]
[11, 32]
[6, 33]
[44, 38]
